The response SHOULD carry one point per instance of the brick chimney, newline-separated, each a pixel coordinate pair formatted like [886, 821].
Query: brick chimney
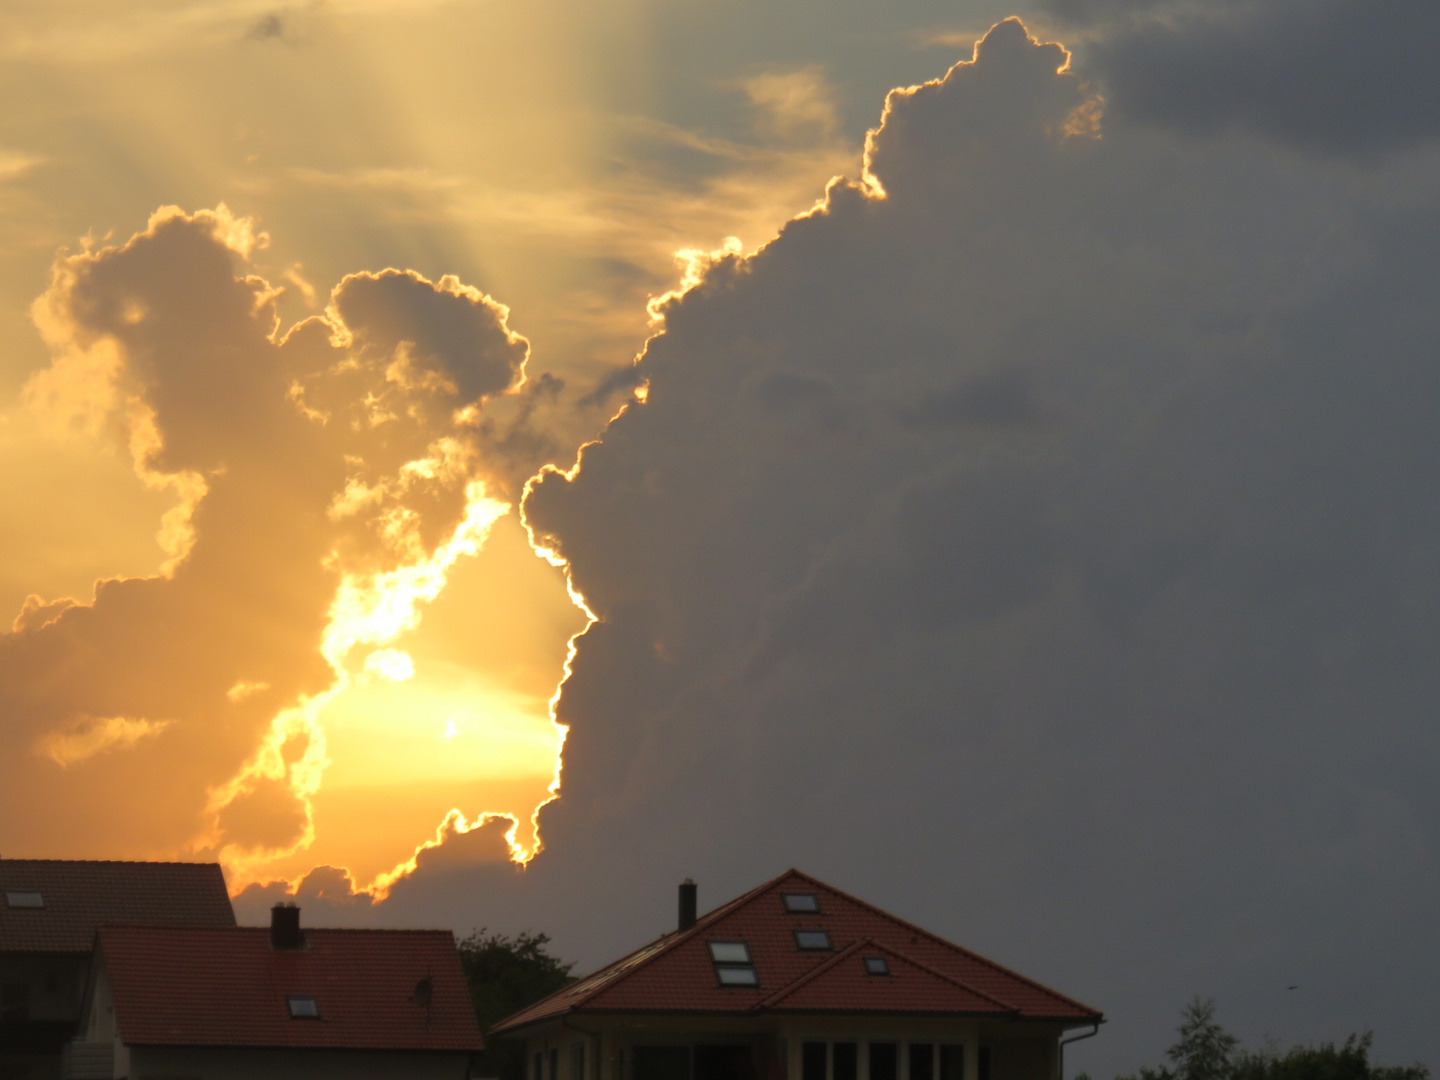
[285, 932]
[688, 897]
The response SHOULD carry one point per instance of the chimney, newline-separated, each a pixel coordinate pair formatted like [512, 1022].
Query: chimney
[285, 932]
[688, 891]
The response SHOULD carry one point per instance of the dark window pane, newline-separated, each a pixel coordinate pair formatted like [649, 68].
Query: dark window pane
[662, 1063]
[813, 939]
[952, 1062]
[577, 1061]
[984, 1063]
[922, 1061]
[884, 1061]
[554, 1065]
[845, 1062]
[800, 902]
[537, 1068]
[15, 1003]
[724, 1063]
[812, 1061]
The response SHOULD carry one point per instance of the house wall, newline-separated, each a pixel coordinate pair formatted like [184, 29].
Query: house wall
[991, 1051]
[201, 1063]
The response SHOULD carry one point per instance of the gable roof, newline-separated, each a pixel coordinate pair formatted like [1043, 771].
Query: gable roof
[81, 895]
[927, 974]
[228, 987]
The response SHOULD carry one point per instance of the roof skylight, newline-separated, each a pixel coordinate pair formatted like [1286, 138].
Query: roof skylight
[739, 975]
[23, 899]
[876, 965]
[729, 952]
[798, 903]
[813, 940]
[733, 966]
[303, 1007]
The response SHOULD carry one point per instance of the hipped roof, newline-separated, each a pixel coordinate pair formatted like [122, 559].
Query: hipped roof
[928, 975]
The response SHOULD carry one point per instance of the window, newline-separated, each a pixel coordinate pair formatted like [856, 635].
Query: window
[814, 1061]
[577, 1061]
[554, 1064]
[14, 1003]
[884, 1061]
[952, 1062]
[737, 976]
[733, 966]
[661, 1063]
[24, 899]
[813, 940]
[303, 1008]
[876, 965]
[798, 903]
[729, 952]
[844, 1061]
[922, 1061]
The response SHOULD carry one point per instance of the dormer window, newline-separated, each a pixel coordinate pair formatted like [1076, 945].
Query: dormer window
[800, 903]
[733, 966]
[876, 965]
[24, 899]
[812, 940]
[303, 1007]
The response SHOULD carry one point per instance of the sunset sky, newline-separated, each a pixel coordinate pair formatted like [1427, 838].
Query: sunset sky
[697, 439]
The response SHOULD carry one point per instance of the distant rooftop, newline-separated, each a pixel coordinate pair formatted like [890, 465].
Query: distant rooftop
[56, 905]
[344, 989]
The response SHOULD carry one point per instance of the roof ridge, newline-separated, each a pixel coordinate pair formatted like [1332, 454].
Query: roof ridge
[950, 944]
[192, 928]
[809, 976]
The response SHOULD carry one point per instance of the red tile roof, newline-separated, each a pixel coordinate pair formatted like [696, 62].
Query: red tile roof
[928, 974]
[191, 987]
[81, 895]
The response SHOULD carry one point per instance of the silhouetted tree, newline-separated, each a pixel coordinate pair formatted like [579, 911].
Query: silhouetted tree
[1206, 1051]
[505, 974]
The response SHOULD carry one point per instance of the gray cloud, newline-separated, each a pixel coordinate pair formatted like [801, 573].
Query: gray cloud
[1338, 76]
[1046, 551]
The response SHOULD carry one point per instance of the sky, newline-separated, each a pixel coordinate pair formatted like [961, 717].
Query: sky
[472, 464]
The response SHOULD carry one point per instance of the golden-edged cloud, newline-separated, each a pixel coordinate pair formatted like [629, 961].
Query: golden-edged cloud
[326, 481]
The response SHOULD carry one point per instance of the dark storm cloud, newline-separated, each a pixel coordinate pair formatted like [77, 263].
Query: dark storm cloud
[1046, 550]
[1340, 76]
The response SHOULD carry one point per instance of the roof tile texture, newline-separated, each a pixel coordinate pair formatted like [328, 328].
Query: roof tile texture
[194, 987]
[929, 974]
[81, 896]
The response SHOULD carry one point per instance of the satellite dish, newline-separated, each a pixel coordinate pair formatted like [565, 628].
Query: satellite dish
[423, 991]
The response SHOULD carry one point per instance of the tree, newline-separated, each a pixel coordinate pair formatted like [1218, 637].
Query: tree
[1206, 1051]
[504, 975]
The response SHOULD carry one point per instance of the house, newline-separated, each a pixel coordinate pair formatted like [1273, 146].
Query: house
[797, 980]
[49, 912]
[225, 1003]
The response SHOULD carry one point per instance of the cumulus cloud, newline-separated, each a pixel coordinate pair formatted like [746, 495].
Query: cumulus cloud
[1037, 539]
[1336, 76]
[326, 479]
